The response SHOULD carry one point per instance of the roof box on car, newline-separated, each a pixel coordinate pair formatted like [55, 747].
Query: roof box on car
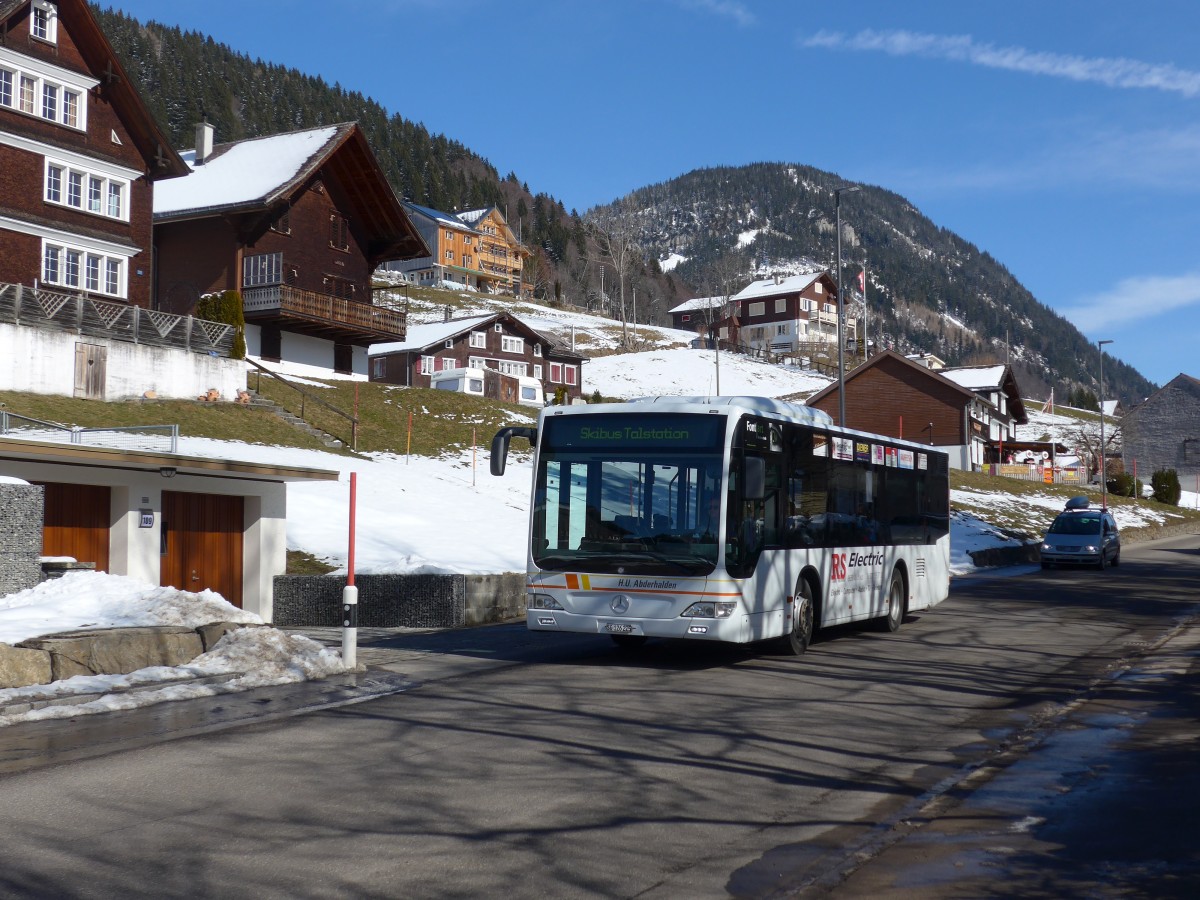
[1078, 503]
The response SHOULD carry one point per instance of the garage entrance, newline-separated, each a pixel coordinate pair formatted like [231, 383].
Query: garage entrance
[201, 543]
[76, 522]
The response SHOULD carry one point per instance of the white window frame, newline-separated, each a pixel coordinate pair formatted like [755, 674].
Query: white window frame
[537, 372]
[378, 367]
[476, 362]
[478, 340]
[509, 367]
[34, 80]
[47, 22]
[781, 304]
[447, 362]
[570, 375]
[556, 373]
[537, 349]
[112, 272]
[818, 288]
[756, 309]
[8, 84]
[70, 173]
[427, 365]
[262, 270]
[512, 344]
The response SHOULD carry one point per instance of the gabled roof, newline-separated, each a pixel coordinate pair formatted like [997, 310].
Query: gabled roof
[698, 303]
[435, 334]
[263, 173]
[471, 216]
[790, 284]
[448, 219]
[918, 370]
[991, 378]
[115, 86]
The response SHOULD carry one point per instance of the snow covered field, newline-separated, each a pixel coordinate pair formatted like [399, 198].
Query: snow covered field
[683, 372]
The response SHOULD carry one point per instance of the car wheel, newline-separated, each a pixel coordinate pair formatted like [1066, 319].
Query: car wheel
[1116, 561]
[895, 604]
[628, 641]
[804, 617]
[1103, 564]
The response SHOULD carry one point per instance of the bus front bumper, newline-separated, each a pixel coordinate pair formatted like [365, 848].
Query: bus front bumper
[735, 629]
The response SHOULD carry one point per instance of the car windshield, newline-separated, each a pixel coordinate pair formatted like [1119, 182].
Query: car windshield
[1076, 523]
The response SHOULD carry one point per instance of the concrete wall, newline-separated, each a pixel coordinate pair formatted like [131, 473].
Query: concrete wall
[21, 510]
[135, 551]
[401, 601]
[43, 362]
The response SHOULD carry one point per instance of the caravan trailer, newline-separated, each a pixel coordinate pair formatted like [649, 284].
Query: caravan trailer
[491, 385]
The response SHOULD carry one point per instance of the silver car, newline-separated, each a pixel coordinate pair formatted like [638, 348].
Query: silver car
[1082, 535]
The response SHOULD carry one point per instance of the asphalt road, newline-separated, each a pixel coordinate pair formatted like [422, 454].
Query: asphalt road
[1033, 736]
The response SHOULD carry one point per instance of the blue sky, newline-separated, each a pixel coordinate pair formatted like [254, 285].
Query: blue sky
[1061, 137]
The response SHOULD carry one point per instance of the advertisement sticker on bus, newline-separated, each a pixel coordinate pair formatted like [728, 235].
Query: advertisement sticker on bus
[877, 454]
[891, 457]
[843, 448]
[862, 451]
[906, 459]
[923, 461]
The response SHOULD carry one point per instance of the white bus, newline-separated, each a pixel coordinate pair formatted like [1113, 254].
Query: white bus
[727, 518]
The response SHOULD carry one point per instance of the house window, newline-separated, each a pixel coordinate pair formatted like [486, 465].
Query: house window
[478, 340]
[476, 362]
[378, 367]
[498, 328]
[723, 333]
[512, 344]
[537, 372]
[512, 368]
[283, 225]
[50, 102]
[81, 183]
[537, 349]
[818, 288]
[427, 364]
[450, 256]
[339, 232]
[43, 24]
[556, 372]
[6, 87]
[449, 236]
[69, 266]
[758, 309]
[28, 86]
[781, 304]
[70, 114]
[263, 269]
[781, 329]
[466, 259]
[569, 374]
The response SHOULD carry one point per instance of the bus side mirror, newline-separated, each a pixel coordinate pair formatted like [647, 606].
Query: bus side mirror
[755, 478]
[500, 445]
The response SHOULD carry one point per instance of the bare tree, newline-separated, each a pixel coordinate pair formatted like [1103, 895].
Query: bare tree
[614, 232]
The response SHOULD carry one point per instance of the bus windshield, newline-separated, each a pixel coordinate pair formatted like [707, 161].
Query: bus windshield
[632, 493]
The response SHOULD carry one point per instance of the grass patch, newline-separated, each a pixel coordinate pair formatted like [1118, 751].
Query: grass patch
[301, 563]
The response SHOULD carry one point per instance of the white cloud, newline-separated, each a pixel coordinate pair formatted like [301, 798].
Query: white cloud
[731, 8]
[1132, 299]
[1117, 72]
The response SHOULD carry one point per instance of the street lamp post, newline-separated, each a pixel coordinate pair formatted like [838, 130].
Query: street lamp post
[1103, 472]
[837, 206]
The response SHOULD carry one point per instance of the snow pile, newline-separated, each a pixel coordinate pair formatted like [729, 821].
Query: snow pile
[694, 373]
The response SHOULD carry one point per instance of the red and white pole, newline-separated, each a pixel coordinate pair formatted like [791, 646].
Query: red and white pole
[350, 592]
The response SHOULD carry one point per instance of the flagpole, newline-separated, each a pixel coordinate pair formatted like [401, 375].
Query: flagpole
[866, 335]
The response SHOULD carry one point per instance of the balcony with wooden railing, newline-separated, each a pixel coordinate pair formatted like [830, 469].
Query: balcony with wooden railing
[323, 315]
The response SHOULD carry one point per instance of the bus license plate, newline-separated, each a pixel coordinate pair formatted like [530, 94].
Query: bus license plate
[619, 629]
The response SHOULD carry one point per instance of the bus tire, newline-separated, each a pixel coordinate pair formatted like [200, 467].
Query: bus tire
[804, 620]
[628, 641]
[890, 621]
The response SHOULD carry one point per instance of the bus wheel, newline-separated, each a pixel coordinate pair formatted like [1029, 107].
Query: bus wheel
[803, 619]
[895, 604]
[628, 641]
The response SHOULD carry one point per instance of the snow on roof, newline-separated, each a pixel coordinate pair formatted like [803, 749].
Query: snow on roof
[769, 287]
[1109, 407]
[421, 336]
[471, 216]
[244, 172]
[975, 378]
[444, 218]
[698, 303]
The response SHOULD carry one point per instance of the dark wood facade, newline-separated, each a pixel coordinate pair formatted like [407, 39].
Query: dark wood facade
[318, 237]
[554, 366]
[893, 396]
[103, 136]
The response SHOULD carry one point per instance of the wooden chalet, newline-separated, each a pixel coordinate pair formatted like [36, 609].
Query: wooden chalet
[297, 223]
[80, 155]
[895, 396]
[499, 341]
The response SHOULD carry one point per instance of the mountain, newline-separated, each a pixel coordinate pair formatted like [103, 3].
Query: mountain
[928, 289]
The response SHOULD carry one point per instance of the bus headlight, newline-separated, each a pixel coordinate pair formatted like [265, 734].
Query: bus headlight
[709, 610]
[541, 601]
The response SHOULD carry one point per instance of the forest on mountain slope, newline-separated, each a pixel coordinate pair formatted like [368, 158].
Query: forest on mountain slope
[922, 278]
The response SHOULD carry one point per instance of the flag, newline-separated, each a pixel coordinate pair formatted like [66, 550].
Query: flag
[1048, 406]
[862, 282]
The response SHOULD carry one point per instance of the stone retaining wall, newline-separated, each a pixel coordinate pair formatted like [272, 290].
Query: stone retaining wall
[21, 514]
[400, 601]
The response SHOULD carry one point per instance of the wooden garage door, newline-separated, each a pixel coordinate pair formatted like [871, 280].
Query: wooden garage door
[202, 543]
[77, 522]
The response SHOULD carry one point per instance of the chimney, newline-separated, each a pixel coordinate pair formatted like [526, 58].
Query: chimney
[778, 279]
[204, 141]
[446, 314]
